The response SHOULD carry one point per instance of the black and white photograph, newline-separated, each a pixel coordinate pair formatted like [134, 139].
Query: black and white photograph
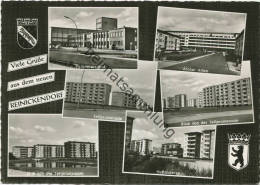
[77, 35]
[200, 40]
[190, 98]
[107, 94]
[44, 145]
[149, 150]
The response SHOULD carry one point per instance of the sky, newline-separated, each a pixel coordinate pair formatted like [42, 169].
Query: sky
[191, 83]
[85, 17]
[141, 80]
[182, 19]
[31, 129]
[144, 128]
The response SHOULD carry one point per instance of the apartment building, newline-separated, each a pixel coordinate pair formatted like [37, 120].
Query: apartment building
[199, 144]
[123, 99]
[143, 146]
[234, 93]
[207, 40]
[239, 46]
[90, 93]
[22, 151]
[207, 149]
[193, 102]
[128, 134]
[166, 41]
[172, 149]
[177, 101]
[48, 151]
[75, 149]
[191, 147]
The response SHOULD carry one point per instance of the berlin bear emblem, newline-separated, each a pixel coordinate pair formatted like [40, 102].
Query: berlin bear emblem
[238, 150]
[27, 32]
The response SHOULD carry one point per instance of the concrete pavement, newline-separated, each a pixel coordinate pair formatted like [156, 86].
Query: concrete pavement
[213, 63]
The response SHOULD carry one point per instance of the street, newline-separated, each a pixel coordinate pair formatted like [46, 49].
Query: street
[71, 58]
[212, 63]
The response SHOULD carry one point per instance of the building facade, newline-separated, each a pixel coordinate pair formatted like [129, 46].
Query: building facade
[67, 37]
[193, 102]
[166, 41]
[172, 149]
[123, 99]
[191, 148]
[199, 144]
[75, 149]
[106, 23]
[234, 93]
[22, 151]
[207, 149]
[239, 46]
[91, 93]
[143, 146]
[177, 101]
[207, 40]
[128, 134]
[48, 151]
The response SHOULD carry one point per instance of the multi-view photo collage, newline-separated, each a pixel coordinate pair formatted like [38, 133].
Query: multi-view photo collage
[204, 83]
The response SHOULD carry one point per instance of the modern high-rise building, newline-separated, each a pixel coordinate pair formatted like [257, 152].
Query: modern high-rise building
[123, 99]
[207, 149]
[172, 149]
[75, 149]
[234, 93]
[48, 151]
[128, 134]
[143, 146]
[200, 144]
[22, 151]
[106, 23]
[239, 46]
[166, 41]
[193, 102]
[91, 93]
[191, 147]
[178, 101]
[207, 40]
[200, 100]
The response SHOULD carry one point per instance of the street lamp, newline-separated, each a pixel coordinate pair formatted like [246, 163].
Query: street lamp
[76, 30]
[80, 88]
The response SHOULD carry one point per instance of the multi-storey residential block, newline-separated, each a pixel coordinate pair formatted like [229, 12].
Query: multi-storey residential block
[91, 93]
[207, 149]
[128, 134]
[207, 40]
[193, 102]
[123, 99]
[199, 144]
[178, 101]
[192, 145]
[75, 149]
[172, 149]
[234, 93]
[167, 41]
[239, 46]
[200, 100]
[48, 151]
[143, 146]
[22, 151]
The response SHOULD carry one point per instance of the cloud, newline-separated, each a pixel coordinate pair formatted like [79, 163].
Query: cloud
[84, 14]
[78, 124]
[16, 130]
[44, 128]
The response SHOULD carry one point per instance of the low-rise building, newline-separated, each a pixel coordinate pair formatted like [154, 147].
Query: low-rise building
[166, 41]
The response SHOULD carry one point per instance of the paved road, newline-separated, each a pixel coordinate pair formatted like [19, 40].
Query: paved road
[81, 59]
[214, 63]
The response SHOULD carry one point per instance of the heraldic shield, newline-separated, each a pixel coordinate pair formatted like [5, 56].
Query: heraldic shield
[238, 150]
[27, 32]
